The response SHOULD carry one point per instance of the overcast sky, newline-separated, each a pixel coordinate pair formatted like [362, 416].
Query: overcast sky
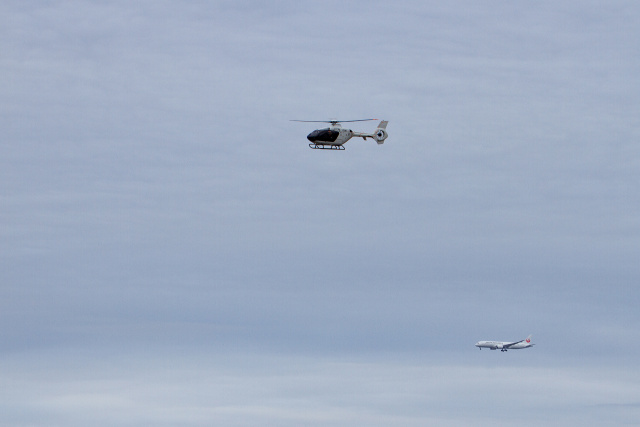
[173, 253]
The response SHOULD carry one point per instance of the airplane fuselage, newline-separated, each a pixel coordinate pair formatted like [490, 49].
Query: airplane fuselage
[505, 345]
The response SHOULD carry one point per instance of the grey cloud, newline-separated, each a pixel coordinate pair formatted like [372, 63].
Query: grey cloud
[153, 194]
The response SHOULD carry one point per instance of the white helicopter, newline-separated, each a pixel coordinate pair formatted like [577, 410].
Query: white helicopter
[334, 137]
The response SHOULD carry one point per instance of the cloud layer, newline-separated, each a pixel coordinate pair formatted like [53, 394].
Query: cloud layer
[173, 252]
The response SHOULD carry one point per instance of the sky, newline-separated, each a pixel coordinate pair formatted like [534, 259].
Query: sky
[173, 253]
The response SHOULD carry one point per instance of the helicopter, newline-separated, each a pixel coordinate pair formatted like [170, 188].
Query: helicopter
[334, 137]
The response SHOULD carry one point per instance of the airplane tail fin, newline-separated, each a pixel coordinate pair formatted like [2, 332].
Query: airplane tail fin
[381, 132]
[528, 340]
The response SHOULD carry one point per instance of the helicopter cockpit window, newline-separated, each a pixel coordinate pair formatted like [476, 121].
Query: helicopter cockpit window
[323, 135]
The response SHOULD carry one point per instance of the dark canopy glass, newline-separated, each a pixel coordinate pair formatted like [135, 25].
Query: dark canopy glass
[323, 135]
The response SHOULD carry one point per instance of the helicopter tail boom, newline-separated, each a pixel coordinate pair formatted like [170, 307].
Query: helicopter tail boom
[379, 135]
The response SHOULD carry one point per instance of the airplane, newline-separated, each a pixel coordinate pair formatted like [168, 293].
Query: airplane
[334, 137]
[504, 346]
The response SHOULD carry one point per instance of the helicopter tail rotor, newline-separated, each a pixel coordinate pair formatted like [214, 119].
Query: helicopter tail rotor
[381, 133]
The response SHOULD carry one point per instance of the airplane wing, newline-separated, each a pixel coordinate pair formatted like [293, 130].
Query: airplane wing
[512, 344]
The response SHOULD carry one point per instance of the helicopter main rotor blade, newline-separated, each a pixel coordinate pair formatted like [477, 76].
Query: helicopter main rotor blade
[332, 121]
[350, 121]
[311, 121]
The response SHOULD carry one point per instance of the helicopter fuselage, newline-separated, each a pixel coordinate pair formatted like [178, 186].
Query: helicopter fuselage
[332, 136]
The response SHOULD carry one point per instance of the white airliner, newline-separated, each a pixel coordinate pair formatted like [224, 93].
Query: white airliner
[504, 346]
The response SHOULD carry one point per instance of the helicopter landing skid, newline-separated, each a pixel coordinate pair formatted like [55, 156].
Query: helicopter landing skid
[326, 147]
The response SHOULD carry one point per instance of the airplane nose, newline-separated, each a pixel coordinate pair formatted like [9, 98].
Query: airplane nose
[311, 137]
